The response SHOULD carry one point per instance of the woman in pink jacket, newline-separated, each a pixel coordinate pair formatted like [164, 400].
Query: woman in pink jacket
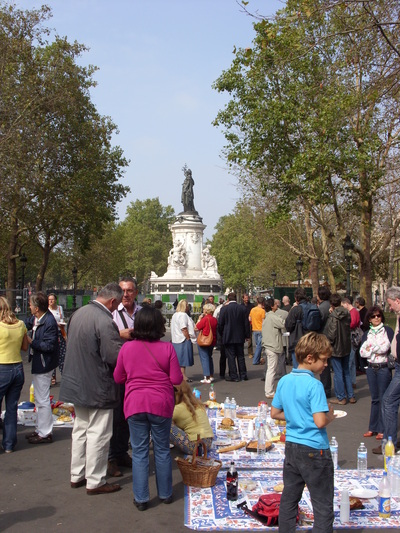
[149, 368]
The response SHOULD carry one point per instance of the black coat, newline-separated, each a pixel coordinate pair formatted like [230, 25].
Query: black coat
[233, 323]
[45, 348]
[337, 329]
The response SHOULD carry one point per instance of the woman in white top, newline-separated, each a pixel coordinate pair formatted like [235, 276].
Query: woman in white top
[58, 313]
[182, 337]
[375, 348]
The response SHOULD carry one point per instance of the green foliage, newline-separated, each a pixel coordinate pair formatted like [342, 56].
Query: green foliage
[314, 112]
[59, 173]
[147, 238]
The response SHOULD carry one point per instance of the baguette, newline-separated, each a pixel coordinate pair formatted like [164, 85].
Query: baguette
[232, 447]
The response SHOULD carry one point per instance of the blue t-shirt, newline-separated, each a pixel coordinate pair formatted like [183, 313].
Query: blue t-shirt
[300, 395]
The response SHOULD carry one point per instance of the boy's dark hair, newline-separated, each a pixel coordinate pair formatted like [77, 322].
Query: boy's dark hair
[260, 299]
[300, 294]
[149, 324]
[335, 300]
[324, 293]
[314, 344]
[374, 310]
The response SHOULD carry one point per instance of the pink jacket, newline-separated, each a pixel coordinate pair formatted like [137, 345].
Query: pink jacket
[148, 388]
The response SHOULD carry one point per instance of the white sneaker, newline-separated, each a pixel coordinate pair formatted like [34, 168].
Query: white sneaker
[211, 379]
[205, 380]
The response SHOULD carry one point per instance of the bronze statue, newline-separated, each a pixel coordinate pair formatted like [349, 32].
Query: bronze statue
[187, 197]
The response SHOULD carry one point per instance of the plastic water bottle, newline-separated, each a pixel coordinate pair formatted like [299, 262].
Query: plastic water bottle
[334, 446]
[233, 408]
[384, 497]
[362, 460]
[232, 483]
[389, 452]
[212, 396]
[227, 408]
[197, 393]
[32, 393]
[268, 432]
[344, 506]
[261, 440]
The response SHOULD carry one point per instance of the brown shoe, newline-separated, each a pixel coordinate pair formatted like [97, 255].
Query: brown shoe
[41, 440]
[262, 361]
[77, 484]
[377, 450]
[336, 401]
[352, 400]
[30, 435]
[113, 470]
[104, 489]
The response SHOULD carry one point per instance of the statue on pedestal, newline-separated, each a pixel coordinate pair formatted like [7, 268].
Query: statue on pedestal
[187, 197]
[208, 261]
[177, 255]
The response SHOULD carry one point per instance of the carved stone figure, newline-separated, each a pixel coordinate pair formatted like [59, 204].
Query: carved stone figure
[208, 260]
[187, 197]
[177, 255]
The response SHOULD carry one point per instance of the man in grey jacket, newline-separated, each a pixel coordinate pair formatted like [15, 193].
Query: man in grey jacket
[87, 382]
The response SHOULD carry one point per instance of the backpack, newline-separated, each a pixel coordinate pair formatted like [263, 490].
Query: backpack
[356, 336]
[311, 320]
[266, 510]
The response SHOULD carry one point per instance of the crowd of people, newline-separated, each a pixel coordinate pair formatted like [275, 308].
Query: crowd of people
[129, 387]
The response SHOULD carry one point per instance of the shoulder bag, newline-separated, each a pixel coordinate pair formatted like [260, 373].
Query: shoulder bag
[205, 340]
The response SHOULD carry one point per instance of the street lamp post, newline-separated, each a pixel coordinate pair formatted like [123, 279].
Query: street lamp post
[348, 248]
[299, 268]
[23, 260]
[273, 276]
[75, 276]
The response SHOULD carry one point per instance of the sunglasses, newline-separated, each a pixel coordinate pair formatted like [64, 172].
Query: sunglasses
[375, 316]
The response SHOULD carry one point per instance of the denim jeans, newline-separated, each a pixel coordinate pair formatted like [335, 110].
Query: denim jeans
[390, 406]
[257, 340]
[314, 467]
[140, 426]
[11, 382]
[378, 381]
[352, 365]
[341, 377]
[205, 353]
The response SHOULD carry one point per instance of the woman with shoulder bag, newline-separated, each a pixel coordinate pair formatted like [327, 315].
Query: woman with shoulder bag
[375, 348]
[207, 339]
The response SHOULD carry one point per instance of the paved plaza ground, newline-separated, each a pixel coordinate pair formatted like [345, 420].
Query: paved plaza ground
[35, 493]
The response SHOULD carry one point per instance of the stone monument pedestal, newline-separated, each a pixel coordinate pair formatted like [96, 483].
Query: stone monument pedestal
[191, 268]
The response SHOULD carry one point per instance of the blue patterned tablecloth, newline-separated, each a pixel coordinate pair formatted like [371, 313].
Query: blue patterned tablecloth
[273, 459]
[209, 510]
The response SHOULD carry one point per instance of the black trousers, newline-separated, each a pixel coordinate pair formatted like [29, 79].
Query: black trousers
[236, 362]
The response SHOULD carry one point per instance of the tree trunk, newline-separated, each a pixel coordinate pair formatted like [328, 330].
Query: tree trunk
[311, 252]
[43, 267]
[365, 255]
[11, 261]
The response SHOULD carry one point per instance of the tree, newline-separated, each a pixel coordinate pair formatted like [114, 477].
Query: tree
[147, 238]
[59, 173]
[314, 116]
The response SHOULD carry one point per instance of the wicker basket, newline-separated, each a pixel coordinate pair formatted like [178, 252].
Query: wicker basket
[195, 474]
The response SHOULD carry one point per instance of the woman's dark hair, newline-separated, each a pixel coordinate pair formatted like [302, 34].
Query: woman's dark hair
[149, 324]
[374, 310]
[335, 300]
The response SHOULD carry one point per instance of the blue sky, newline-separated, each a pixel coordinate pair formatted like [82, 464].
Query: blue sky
[157, 61]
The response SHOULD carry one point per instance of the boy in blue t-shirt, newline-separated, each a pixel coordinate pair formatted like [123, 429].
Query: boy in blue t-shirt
[300, 400]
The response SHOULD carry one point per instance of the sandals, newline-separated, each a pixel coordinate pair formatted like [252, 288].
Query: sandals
[53, 381]
[370, 433]
[379, 436]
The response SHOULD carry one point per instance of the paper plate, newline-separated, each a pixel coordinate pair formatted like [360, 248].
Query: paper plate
[365, 494]
[339, 414]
